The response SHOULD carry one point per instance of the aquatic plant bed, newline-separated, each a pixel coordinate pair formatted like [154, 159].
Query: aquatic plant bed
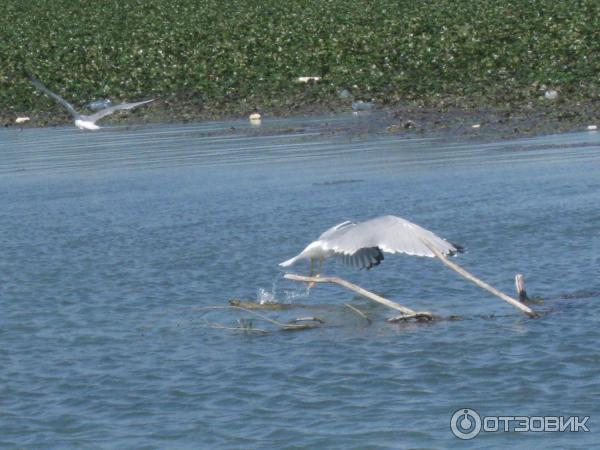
[211, 59]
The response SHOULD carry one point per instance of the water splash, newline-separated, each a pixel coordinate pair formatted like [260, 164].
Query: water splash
[264, 296]
[291, 295]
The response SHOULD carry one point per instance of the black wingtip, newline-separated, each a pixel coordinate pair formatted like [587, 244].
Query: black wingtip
[378, 258]
[459, 248]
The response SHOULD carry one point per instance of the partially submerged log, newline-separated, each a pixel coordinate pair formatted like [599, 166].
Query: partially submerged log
[421, 317]
[269, 306]
[370, 295]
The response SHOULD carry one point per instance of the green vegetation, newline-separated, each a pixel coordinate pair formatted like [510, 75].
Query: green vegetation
[231, 57]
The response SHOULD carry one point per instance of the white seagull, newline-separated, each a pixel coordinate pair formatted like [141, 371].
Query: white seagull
[82, 121]
[362, 245]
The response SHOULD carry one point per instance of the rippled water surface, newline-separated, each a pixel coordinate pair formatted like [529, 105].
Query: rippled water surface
[113, 243]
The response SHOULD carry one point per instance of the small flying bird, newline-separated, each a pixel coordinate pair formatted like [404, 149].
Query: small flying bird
[362, 245]
[82, 121]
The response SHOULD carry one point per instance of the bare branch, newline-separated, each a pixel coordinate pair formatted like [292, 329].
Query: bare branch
[482, 284]
[352, 287]
[358, 311]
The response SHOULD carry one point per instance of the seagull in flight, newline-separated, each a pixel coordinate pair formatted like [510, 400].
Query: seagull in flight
[361, 245]
[82, 121]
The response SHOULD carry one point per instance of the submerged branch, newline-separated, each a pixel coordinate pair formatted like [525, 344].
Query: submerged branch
[422, 316]
[282, 326]
[272, 306]
[358, 311]
[218, 326]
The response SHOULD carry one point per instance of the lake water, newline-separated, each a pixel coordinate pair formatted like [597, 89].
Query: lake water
[113, 243]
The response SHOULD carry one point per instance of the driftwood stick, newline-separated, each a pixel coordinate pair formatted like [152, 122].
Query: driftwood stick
[482, 284]
[352, 287]
[520, 284]
[307, 319]
[358, 311]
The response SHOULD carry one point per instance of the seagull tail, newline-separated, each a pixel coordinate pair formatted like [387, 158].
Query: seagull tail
[289, 262]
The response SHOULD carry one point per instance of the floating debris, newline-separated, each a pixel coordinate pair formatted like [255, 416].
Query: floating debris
[592, 127]
[477, 125]
[255, 119]
[307, 79]
[22, 119]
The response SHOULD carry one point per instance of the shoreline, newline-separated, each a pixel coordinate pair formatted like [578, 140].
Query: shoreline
[450, 118]
[514, 68]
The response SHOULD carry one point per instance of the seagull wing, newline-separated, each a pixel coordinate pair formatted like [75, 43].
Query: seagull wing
[333, 230]
[37, 83]
[389, 234]
[317, 247]
[111, 109]
[365, 258]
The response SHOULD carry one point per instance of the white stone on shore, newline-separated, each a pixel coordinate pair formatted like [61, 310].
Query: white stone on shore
[255, 118]
[307, 79]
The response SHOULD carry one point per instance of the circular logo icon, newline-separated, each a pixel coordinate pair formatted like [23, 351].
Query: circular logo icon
[465, 423]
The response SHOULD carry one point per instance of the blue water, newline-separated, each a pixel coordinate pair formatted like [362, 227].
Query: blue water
[113, 243]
